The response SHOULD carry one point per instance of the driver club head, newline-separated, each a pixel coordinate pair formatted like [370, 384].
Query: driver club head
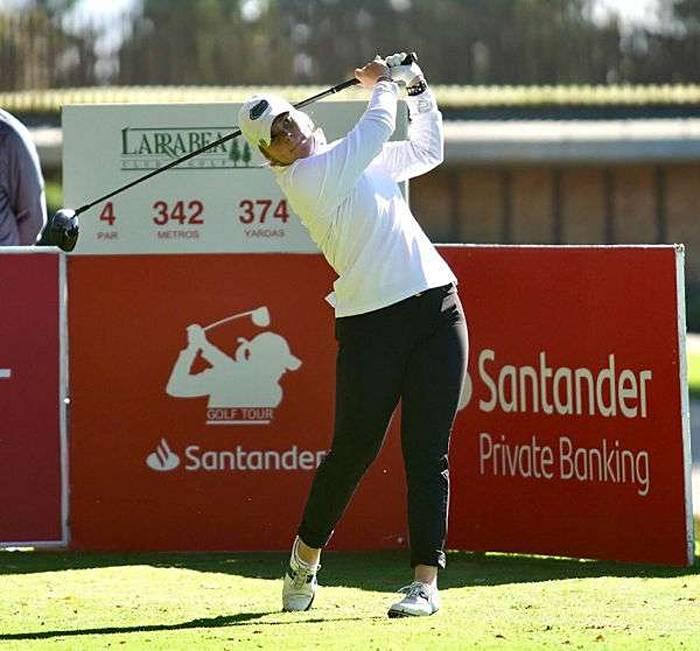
[61, 230]
[261, 317]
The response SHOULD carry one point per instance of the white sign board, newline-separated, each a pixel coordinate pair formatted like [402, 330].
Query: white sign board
[221, 201]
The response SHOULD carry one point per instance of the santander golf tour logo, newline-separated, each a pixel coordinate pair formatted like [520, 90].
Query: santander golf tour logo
[243, 388]
[162, 458]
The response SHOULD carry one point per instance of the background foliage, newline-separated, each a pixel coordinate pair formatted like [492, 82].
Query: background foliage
[320, 41]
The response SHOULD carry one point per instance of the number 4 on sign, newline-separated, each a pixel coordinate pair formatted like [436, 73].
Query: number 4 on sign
[107, 214]
[281, 211]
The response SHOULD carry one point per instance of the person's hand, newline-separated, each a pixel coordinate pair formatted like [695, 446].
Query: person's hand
[196, 336]
[407, 74]
[371, 72]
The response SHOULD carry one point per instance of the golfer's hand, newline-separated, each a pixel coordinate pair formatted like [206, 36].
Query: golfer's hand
[371, 72]
[196, 336]
[407, 74]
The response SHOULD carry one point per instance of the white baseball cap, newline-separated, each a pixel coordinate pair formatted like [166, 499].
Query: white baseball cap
[257, 114]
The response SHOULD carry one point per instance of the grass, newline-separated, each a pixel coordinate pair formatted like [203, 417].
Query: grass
[231, 601]
[694, 373]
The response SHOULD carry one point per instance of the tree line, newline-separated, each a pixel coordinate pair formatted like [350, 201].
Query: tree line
[241, 42]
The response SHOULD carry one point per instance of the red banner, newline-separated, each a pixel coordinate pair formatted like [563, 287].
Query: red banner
[203, 403]
[211, 444]
[572, 442]
[30, 398]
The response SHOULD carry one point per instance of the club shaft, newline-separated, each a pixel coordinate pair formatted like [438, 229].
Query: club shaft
[211, 145]
[325, 93]
[226, 320]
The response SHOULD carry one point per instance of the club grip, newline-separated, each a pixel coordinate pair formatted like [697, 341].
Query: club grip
[411, 57]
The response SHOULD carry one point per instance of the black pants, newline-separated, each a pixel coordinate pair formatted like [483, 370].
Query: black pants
[415, 350]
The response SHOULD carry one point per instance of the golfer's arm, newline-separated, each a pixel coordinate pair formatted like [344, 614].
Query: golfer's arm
[424, 149]
[325, 179]
[182, 384]
[213, 355]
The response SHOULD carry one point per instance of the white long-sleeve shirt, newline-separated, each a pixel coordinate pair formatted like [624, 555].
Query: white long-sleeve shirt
[347, 195]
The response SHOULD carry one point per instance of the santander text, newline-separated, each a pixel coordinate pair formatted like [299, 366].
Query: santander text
[608, 391]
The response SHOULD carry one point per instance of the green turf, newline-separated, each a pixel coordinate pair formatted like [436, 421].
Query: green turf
[231, 601]
[694, 373]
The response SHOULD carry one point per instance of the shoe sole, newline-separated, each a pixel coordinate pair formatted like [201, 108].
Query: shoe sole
[396, 614]
[293, 610]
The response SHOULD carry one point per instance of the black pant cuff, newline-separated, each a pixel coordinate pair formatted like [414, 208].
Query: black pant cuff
[438, 560]
[312, 540]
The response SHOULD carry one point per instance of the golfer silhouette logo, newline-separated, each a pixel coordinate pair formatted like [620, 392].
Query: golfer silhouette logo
[243, 389]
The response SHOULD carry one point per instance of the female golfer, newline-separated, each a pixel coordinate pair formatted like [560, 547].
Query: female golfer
[400, 327]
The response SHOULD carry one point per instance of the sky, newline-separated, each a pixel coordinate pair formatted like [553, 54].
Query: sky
[102, 9]
[633, 10]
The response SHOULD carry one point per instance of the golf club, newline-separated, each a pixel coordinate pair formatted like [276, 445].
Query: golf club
[62, 229]
[260, 317]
